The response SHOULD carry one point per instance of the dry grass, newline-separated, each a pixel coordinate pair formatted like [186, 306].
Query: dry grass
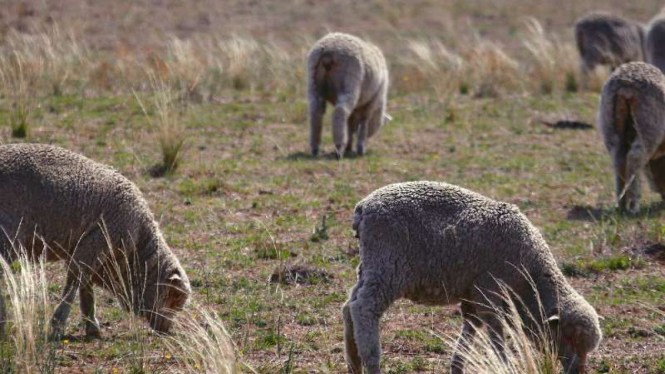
[202, 343]
[166, 120]
[526, 351]
[25, 348]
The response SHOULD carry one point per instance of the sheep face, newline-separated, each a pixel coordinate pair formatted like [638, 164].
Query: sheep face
[170, 297]
[575, 341]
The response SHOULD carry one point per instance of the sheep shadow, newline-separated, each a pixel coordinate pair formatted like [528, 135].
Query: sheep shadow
[300, 155]
[594, 214]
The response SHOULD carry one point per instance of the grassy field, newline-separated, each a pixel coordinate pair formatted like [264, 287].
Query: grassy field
[247, 201]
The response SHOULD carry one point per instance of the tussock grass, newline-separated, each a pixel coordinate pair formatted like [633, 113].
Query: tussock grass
[554, 64]
[202, 68]
[19, 76]
[528, 345]
[25, 315]
[167, 122]
[202, 344]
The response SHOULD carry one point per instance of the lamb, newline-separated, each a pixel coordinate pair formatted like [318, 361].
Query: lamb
[631, 119]
[605, 39]
[63, 206]
[655, 42]
[438, 244]
[352, 75]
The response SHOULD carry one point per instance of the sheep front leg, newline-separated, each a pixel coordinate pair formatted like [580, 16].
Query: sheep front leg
[87, 298]
[317, 108]
[62, 311]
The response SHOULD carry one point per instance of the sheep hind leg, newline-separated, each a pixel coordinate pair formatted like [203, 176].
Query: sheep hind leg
[64, 307]
[636, 160]
[365, 312]
[620, 177]
[469, 329]
[340, 120]
[87, 297]
[353, 362]
[317, 108]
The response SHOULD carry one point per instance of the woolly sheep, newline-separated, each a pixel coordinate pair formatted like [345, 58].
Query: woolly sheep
[655, 42]
[63, 206]
[631, 120]
[352, 75]
[605, 39]
[438, 244]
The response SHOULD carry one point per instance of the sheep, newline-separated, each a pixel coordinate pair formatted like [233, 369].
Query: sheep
[438, 244]
[605, 39]
[59, 205]
[352, 75]
[631, 120]
[655, 42]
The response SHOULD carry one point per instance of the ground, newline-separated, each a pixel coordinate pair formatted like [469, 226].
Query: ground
[248, 199]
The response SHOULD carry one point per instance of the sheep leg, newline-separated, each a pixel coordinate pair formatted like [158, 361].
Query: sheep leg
[87, 298]
[620, 178]
[469, 328]
[62, 311]
[495, 330]
[362, 138]
[372, 300]
[636, 161]
[340, 123]
[317, 108]
[353, 361]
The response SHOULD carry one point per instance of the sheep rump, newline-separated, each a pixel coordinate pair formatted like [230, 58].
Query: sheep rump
[605, 39]
[438, 244]
[631, 119]
[352, 75]
[63, 206]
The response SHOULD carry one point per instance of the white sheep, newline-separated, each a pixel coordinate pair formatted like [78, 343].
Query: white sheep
[438, 244]
[352, 75]
[606, 39]
[63, 206]
[655, 42]
[631, 119]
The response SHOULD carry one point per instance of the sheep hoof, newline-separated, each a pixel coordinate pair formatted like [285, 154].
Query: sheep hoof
[93, 332]
[315, 151]
[339, 152]
[55, 335]
[360, 150]
[632, 207]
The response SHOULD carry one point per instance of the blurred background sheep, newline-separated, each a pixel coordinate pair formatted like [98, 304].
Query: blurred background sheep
[655, 42]
[631, 119]
[607, 39]
[352, 75]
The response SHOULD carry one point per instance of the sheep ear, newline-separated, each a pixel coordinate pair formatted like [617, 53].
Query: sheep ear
[388, 117]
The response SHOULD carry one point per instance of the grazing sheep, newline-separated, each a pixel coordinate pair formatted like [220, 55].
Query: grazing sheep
[655, 42]
[605, 39]
[631, 119]
[63, 206]
[352, 75]
[438, 244]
